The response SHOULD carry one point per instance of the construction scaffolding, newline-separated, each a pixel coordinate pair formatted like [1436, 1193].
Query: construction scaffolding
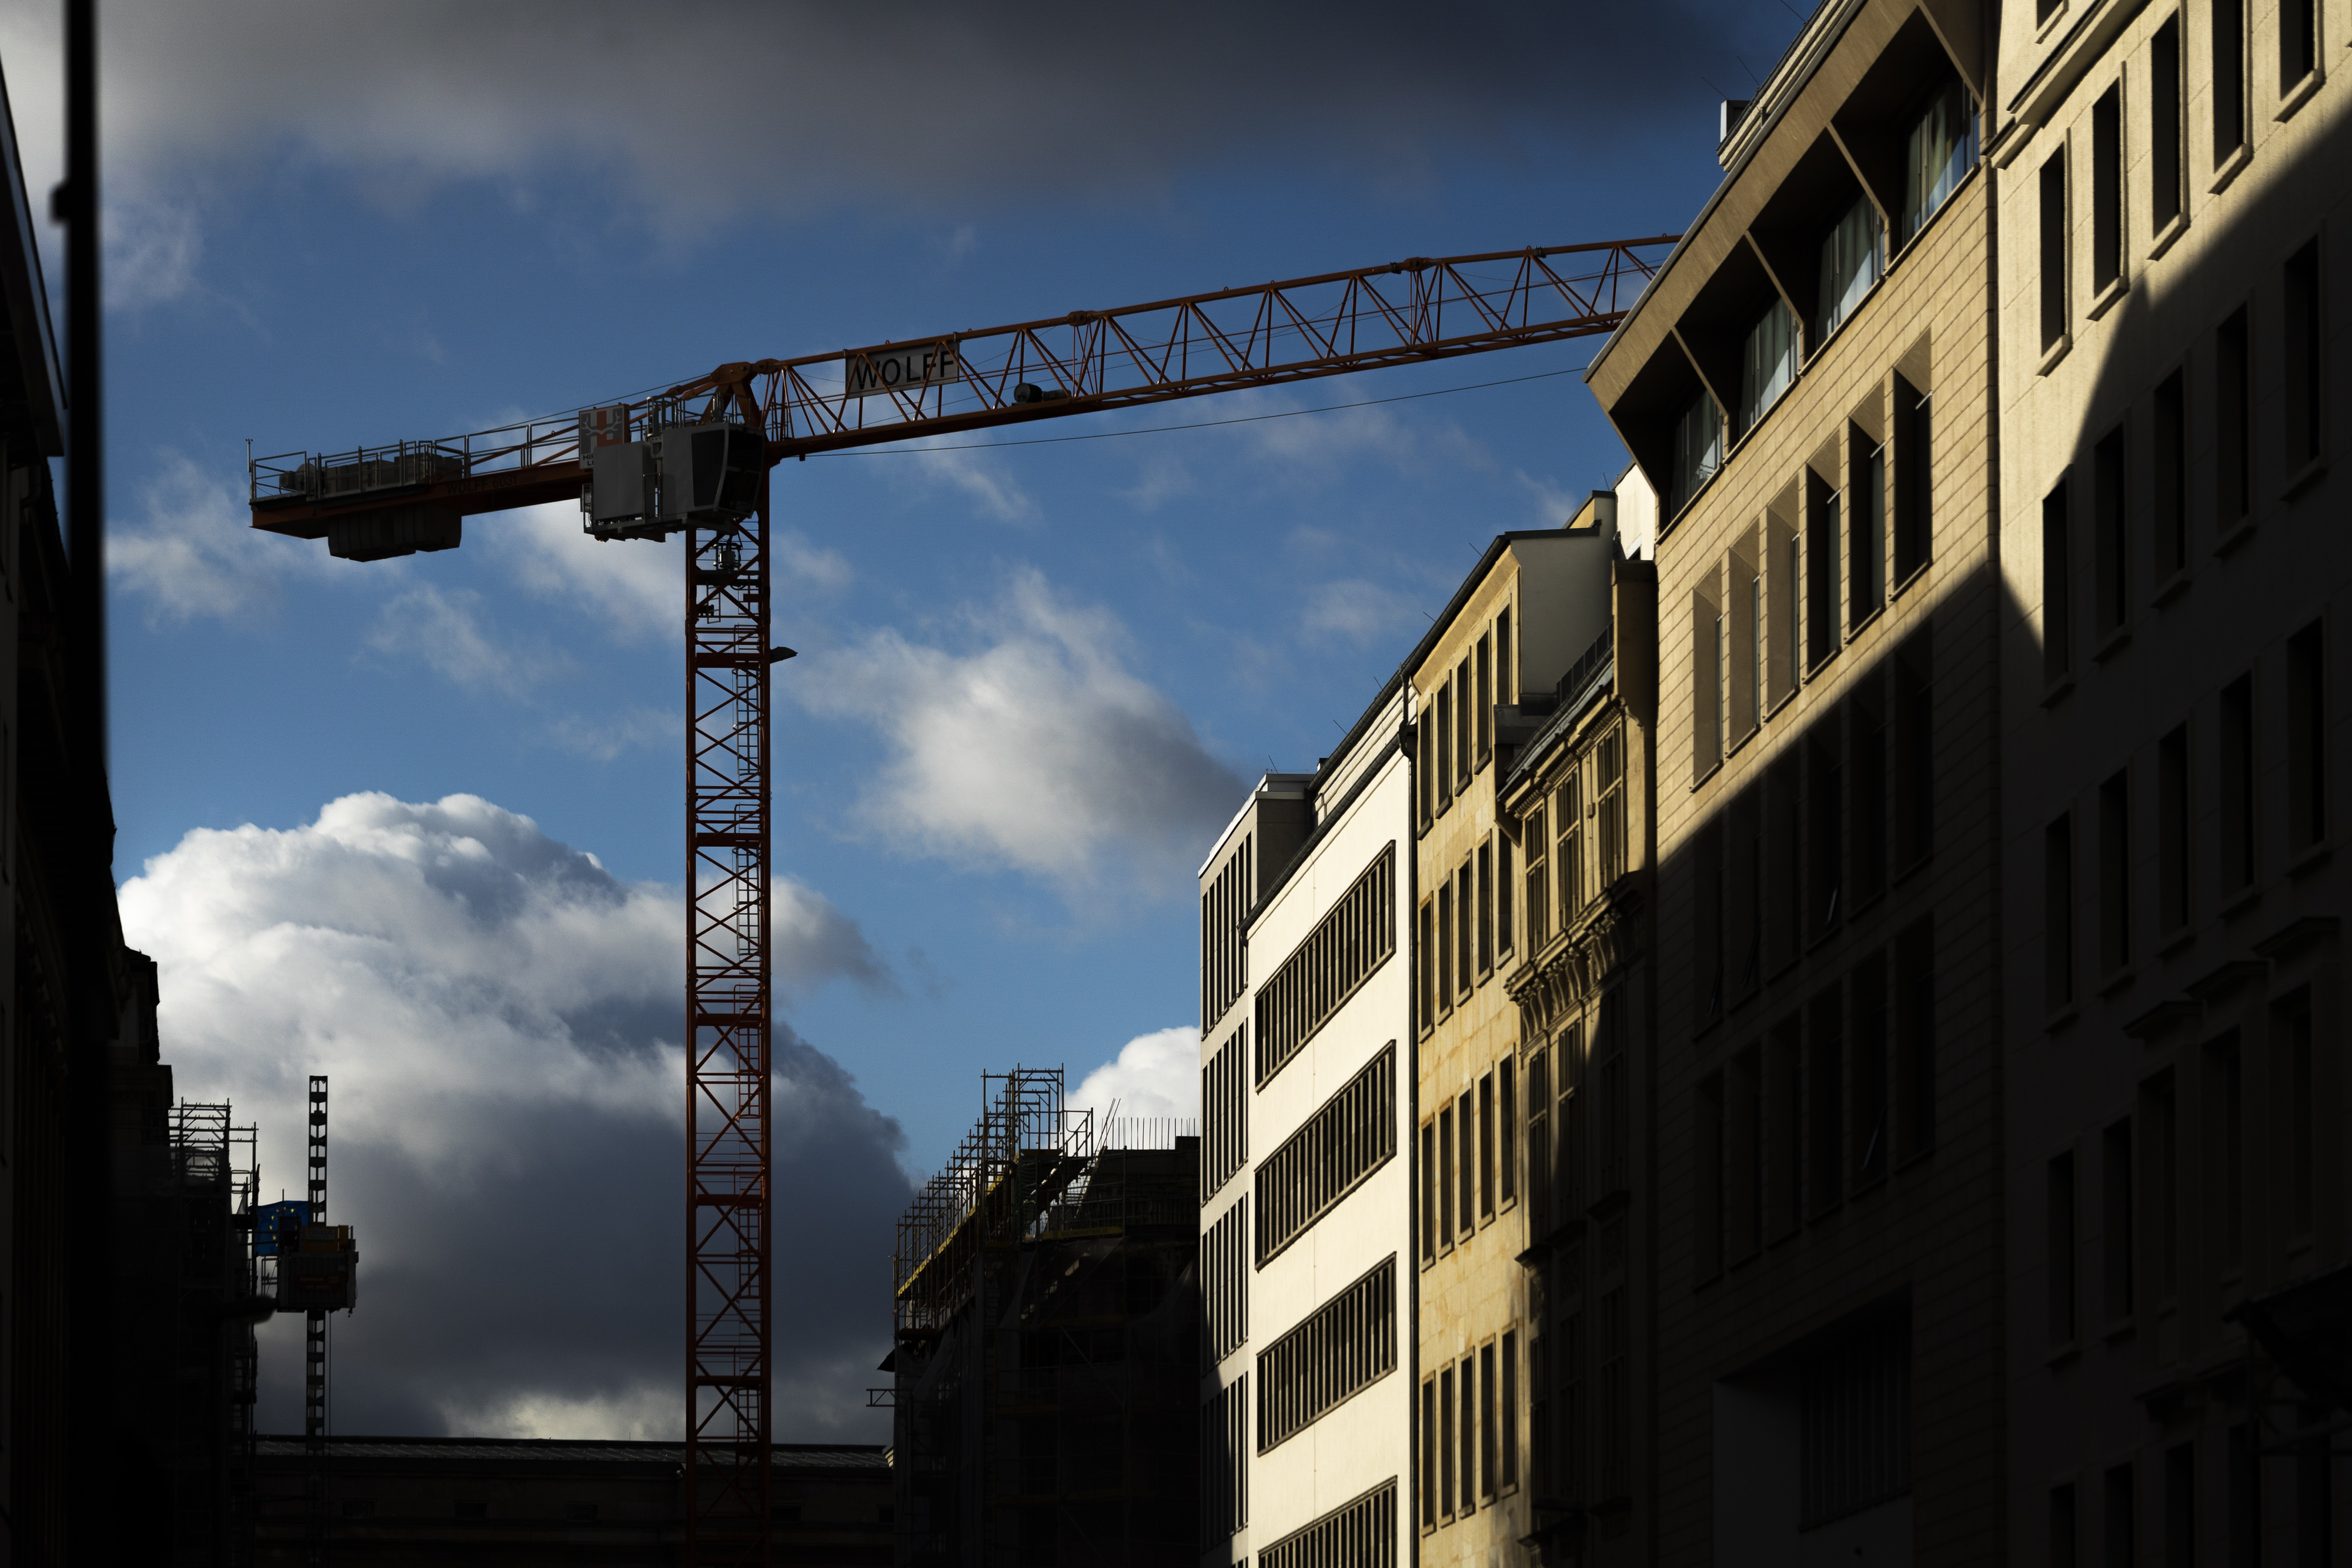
[1043, 1367]
[210, 1455]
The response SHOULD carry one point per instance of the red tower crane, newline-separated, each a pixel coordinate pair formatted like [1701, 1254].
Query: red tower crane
[663, 465]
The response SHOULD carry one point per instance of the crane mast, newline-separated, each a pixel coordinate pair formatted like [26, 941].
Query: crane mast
[658, 464]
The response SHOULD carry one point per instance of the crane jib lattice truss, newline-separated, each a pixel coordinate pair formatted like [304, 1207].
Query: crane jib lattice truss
[376, 501]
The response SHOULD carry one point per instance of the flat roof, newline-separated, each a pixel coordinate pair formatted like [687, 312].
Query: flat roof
[568, 1450]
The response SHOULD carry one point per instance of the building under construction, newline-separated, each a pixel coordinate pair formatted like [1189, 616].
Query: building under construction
[1047, 1316]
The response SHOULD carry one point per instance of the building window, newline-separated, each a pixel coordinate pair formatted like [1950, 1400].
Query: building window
[1822, 526]
[2057, 592]
[1538, 899]
[1225, 922]
[1538, 1146]
[1824, 1100]
[1489, 1450]
[1568, 850]
[1784, 1126]
[1503, 691]
[2109, 547]
[1853, 254]
[2306, 1116]
[2225, 1106]
[1466, 1175]
[1915, 512]
[1347, 1344]
[1467, 1502]
[1486, 909]
[1507, 1410]
[2053, 250]
[1866, 1129]
[1224, 1271]
[1767, 365]
[2119, 1508]
[1609, 808]
[1426, 745]
[2114, 874]
[1224, 1464]
[1941, 150]
[1915, 749]
[1504, 914]
[1865, 566]
[2180, 1503]
[1445, 1175]
[1706, 919]
[1507, 1126]
[1707, 683]
[1350, 1136]
[1429, 1169]
[1866, 723]
[2233, 488]
[2063, 1527]
[1486, 1146]
[2107, 189]
[1745, 642]
[1485, 715]
[2298, 42]
[2058, 913]
[1855, 1432]
[2235, 795]
[2306, 738]
[2164, 124]
[1743, 894]
[2159, 1181]
[2059, 1233]
[1781, 577]
[1464, 703]
[1915, 1041]
[1824, 825]
[1346, 948]
[1224, 1114]
[1429, 1486]
[1361, 1532]
[2229, 32]
[1465, 928]
[1699, 453]
[2171, 479]
[1428, 966]
[1444, 775]
[1445, 947]
[2116, 1222]
[1743, 1157]
[2304, 358]
[2245, 1498]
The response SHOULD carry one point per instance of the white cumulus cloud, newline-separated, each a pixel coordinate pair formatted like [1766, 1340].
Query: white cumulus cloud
[1032, 748]
[1154, 1079]
[499, 1018]
[195, 552]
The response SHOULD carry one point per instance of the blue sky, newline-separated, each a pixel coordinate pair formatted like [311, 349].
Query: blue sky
[331, 227]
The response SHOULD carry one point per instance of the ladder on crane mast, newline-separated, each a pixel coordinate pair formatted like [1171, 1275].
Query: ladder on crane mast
[658, 465]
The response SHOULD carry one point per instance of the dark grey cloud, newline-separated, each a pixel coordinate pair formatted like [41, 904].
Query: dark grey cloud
[500, 1018]
[697, 111]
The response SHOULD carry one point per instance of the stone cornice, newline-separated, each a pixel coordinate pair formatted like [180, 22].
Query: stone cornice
[1580, 962]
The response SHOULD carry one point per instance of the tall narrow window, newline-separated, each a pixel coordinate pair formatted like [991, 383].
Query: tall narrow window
[2298, 42]
[1784, 1126]
[2059, 1228]
[2117, 1216]
[1508, 1418]
[1486, 909]
[2233, 488]
[2061, 1526]
[1446, 1175]
[2234, 794]
[2245, 1498]
[1505, 692]
[2180, 1504]
[2119, 1508]
[1507, 1126]
[1915, 512]
[2053, 250]
[1538, 899]
[1821, 550]
[2172, 831]
[2303, 357]
[1781, 577]
[1427, 761]
[1853, 254]
[1706, 913]
[1867, 715]
[1445, 946]
[1939, 152]
[1767, 364]
[2057, 592]
[1462, 705]
[2164, 124]
[1866, 1126]
[1445, 1430]
[1430, 1444]
[1468, 1502]
[1707, 1165]
[2170, 478]
[1506, 914]
[1465, 901]
[2228, 34]
[2058, 913]
[1865, 563]
[1915, 1041]
[1824, 826]
[1568, 844]
[1444, 746]
[1465, 1115]
[1486, 1146]
[2115, 873]
[1915, 749]
[1699, 453]
[2291, 1038]
[1488, 1478]
[2225, 1133]
[2306, 738]
[1429, 1167]
[1485, 714]
[2107, 188]
[2159, 1154]
[1824, 1098]
[1707, 684]
[2109, 544]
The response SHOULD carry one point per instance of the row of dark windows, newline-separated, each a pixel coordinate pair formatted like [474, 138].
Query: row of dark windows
[2215, 1146]
[1579, 1132]
[1819, 834]
[1780, 599]
[1832, 1097]
[2168, 192]
[1580, 1421]
[1464, 925]
[1224, 1114]
[1224, 1464]
[1224, 945]
[1574, 839]
[1457, 728]
[1224, 1280]
[1350, 1136]
[2309, 1510]
[1470, 1432]
[1362, 1533]
[1347, 947]
[2119, 816]
[2104, 494]
[1346, 1345]
[1469, 1160]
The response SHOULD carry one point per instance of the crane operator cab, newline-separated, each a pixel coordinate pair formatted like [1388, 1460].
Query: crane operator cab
[678, 475]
